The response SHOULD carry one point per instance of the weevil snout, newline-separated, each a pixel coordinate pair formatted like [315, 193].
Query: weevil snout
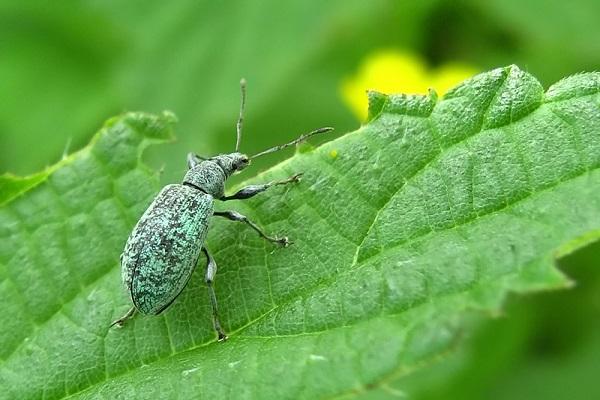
[232, 162]
[241, 162]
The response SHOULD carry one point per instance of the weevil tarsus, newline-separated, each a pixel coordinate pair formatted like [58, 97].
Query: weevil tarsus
[211, 272]
[128, 315]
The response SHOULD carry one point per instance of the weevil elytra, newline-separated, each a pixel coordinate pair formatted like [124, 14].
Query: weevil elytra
[165, 245]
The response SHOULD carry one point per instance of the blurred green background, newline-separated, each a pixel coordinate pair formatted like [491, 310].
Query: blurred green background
[67, 66]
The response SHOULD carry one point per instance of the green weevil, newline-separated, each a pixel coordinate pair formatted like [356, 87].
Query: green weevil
[164, 247]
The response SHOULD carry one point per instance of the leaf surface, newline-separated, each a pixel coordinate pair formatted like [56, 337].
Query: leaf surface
[432, 209]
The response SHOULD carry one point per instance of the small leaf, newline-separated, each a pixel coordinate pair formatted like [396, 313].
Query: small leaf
[432, 209]
[12, 186]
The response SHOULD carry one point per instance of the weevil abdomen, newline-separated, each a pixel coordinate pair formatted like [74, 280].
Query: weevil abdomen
[163, 248]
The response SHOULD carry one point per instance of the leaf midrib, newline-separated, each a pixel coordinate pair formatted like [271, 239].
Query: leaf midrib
[357, 265]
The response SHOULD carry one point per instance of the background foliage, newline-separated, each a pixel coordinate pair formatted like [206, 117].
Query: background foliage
[67, 66]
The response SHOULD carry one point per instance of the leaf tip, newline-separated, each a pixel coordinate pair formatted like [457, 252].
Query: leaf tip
[405, 104]
[581, 84]
[377, 101]
[577, 243]
[12, 186]
[151, 126]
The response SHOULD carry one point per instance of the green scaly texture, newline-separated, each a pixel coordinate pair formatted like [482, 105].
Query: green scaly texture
[433, 209]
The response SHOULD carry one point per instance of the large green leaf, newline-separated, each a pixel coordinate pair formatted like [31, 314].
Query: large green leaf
[545, 347]
[434, 208]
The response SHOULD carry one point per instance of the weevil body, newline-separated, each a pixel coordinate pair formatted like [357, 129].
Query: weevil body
[164, 247]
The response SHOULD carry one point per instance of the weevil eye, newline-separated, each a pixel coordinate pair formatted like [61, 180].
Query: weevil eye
[242, 163]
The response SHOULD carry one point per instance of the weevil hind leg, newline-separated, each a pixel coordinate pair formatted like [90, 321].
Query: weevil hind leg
[236, 216]
[211, 272]
[128, 315]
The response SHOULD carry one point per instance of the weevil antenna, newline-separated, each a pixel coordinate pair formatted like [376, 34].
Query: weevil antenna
[240, 120]
[301, 139]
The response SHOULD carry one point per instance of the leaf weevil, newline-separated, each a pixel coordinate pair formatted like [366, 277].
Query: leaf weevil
[163, 249]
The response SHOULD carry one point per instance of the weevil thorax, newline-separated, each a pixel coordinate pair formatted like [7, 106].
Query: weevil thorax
[210, 175]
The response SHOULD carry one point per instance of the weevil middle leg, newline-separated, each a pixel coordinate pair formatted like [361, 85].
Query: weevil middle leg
[211, 271]
[236, 216]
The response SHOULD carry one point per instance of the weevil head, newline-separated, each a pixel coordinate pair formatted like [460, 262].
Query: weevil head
[232, 162]
[210, 175]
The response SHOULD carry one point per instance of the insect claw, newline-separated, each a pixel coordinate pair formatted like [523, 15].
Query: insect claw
[297, 177]
[284, 241]
[118, 323]
[222, 337]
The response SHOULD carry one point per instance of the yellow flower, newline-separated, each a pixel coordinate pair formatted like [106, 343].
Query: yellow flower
[399, 72]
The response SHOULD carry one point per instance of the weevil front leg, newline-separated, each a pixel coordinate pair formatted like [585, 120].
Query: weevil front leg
[253, 190]
[211, 271]
[236, 216]
[128, 315]
[194, 159]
